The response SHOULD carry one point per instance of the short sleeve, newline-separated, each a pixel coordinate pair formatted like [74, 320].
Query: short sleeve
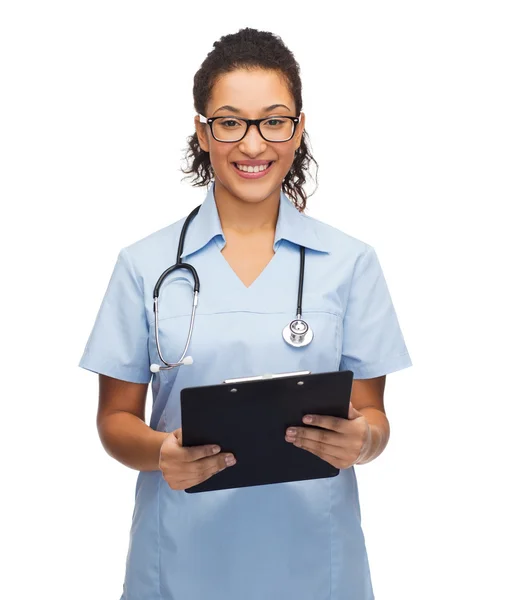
[373, 343]
[118, 345]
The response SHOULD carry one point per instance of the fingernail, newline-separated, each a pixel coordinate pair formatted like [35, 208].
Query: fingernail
[230, 460]
[216, 449]
[290, 431]
[308, 419]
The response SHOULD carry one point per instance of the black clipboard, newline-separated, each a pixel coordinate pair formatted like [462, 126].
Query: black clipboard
[251, 423]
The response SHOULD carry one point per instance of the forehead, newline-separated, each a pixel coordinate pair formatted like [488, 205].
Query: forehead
[250, 90]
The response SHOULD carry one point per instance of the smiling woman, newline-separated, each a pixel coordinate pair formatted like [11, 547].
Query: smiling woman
[249, 242]
[247, 80]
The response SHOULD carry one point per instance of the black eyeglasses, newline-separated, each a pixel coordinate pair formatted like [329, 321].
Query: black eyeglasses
[233, 129]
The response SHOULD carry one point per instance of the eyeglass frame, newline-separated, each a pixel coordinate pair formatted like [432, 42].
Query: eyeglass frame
[209, 121]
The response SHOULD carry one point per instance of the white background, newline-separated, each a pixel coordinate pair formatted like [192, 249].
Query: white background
[405, 109]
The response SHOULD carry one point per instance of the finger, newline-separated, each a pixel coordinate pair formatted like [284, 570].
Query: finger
[199, 467]
[203, 476]
[178, 434]
[193, 453]
[316, 434]
[320, 448]
[325, 421]
[332, 460]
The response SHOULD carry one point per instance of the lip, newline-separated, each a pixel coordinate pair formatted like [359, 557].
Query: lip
[258, 175]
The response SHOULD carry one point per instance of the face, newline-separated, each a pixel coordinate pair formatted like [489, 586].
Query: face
[250, 92]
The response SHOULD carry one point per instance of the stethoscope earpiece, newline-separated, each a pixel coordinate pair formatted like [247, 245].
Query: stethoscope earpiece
[187, 360]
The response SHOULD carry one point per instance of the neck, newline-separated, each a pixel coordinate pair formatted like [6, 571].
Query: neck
[245, 216]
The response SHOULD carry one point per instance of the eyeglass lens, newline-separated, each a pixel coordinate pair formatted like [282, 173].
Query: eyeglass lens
[276, 129]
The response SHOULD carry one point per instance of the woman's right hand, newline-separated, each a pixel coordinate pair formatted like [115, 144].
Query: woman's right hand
[185, 467]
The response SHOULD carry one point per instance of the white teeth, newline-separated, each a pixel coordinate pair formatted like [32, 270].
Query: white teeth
[255, 169]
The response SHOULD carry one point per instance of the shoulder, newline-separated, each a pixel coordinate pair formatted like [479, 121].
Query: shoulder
[338, 241]
[154, 251]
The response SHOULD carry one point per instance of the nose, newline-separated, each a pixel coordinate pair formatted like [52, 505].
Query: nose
[252, 143]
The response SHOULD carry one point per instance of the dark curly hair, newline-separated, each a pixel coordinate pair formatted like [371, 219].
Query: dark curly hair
[249, 49]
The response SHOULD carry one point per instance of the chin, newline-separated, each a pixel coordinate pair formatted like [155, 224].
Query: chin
[251, 191]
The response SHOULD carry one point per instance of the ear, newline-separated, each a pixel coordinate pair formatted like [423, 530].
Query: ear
[200, 128]
[300, 129]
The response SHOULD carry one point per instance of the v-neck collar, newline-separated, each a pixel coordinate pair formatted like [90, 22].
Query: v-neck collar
[228, 267]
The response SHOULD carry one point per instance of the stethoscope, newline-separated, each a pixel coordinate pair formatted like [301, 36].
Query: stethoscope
[297, 333]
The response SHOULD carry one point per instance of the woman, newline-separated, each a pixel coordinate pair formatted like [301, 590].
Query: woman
[296, 540]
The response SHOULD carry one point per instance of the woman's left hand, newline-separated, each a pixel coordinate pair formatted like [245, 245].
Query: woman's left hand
[340, 442]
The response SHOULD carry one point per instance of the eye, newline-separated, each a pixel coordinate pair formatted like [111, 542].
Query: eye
[277, 122]
[228, 123]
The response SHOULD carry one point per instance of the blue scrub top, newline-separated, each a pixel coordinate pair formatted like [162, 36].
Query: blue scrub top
[299, 540]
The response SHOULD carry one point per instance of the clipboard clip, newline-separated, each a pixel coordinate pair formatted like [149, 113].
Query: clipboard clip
[268, 376]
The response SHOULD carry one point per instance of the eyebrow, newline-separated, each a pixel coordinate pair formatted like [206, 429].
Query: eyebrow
[237, 110]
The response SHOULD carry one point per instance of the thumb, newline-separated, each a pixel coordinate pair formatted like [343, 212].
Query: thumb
[353, 412]
[178, 434]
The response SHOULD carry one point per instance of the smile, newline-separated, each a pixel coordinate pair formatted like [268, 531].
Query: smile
[253, 172]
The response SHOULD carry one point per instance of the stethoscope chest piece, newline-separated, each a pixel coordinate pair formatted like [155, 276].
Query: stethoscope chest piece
[298, 333]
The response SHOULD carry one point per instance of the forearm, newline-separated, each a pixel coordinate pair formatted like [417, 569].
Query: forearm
[131, 441]
[380, 433]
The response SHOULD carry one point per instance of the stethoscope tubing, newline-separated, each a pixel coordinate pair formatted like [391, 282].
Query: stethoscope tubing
[301, 281]
[289, 334]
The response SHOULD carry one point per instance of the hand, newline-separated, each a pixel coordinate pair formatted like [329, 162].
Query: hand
[185, 467]
[340, 442]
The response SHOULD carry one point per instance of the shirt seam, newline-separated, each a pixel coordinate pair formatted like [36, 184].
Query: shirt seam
[363, 256]
[133, 273]
[252, 312]
[131, 268]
